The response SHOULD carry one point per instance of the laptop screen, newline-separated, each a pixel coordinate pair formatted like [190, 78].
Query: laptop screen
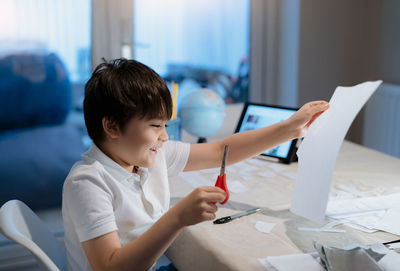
[256, 116]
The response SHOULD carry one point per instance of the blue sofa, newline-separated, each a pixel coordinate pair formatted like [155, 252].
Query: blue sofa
[37, 146]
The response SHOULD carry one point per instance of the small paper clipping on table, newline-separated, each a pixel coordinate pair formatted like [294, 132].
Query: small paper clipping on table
[318, 152]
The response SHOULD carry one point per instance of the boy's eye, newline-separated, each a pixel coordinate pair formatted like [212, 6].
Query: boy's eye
[159, 126]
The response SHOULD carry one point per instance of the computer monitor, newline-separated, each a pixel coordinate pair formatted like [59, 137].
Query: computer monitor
[256, 116]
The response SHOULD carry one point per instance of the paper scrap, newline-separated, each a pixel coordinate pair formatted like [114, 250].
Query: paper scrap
[264, 227]
[326, 228]
[298, 262]
[320, 147]
[394, 245]
[360, 228]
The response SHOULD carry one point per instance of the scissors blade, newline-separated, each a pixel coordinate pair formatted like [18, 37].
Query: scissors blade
[222, 172]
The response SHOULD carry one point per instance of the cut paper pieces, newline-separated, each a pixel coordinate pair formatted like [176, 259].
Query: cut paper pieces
[298, 262]
[394, 245]
[352, 190]
[368, 213]
[344, 192]
[264, 227]
[326, 228]
[320, 147]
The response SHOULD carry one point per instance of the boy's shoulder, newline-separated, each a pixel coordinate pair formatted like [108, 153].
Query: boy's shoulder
[85, 170]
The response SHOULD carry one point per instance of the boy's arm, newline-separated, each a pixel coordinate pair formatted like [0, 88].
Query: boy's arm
[250, 143]
[106, 253]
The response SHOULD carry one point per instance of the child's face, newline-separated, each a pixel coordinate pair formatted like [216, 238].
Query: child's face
[139, 143]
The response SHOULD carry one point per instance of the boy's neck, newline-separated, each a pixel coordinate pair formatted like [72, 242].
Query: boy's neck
[105, 148]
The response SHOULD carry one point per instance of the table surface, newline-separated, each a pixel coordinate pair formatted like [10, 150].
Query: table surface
[237, 245]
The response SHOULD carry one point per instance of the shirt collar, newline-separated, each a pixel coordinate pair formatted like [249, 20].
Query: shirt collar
[112, 167]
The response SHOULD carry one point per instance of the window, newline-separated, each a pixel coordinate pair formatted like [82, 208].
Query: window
[198, 43]
[61, 27]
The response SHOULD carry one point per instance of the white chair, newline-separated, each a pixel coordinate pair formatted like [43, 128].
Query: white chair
[20, 224]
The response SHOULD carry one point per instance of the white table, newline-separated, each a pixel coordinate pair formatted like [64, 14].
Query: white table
[237, 245]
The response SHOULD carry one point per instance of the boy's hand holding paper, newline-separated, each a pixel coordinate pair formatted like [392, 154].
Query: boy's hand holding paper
[319, 149]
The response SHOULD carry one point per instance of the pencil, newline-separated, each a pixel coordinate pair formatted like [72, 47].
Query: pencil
[174, 100]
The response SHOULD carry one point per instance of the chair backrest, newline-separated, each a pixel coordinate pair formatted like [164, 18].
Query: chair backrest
[20, 224]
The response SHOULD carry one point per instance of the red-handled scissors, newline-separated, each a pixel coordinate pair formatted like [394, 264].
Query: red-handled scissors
[221, 180]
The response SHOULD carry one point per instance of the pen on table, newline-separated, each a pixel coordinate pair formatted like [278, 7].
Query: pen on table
[392, 242]
[226, 219]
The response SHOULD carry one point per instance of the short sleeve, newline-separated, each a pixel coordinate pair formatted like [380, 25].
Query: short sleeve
[176, 156]
[89, 204]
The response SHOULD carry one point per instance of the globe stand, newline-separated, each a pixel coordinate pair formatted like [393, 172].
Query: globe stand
[202, 140]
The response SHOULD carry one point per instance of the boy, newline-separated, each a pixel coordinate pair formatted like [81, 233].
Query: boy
[116, 200]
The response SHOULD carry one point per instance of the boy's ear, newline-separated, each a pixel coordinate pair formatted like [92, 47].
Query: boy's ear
[110, 128]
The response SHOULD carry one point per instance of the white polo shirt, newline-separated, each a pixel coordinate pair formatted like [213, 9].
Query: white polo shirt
[99, 196]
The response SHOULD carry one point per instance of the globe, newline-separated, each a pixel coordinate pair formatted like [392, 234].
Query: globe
[202, 113]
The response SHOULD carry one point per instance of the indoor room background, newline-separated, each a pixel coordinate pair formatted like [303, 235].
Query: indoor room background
[279, 52]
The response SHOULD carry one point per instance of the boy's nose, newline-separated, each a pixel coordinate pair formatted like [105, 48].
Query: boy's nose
[164, 135]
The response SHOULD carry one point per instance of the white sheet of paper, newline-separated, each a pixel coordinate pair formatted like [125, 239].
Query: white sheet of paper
[368, 213]
[320, 147]
[298, 262]
[390, 262]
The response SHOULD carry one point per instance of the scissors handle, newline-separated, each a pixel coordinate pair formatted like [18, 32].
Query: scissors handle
[221, 183]
[221, 179]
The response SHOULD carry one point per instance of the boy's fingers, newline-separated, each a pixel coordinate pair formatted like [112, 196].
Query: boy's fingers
[314, 118]
[212, 189]
[211, 208]
[208, 216]
[215, 196]
[318, 106]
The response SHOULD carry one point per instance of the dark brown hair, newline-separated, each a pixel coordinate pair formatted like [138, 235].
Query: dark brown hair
[120, 90]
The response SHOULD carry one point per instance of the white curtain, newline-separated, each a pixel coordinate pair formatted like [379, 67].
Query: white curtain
[203, 33]
[274, 51]
[112, 30]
